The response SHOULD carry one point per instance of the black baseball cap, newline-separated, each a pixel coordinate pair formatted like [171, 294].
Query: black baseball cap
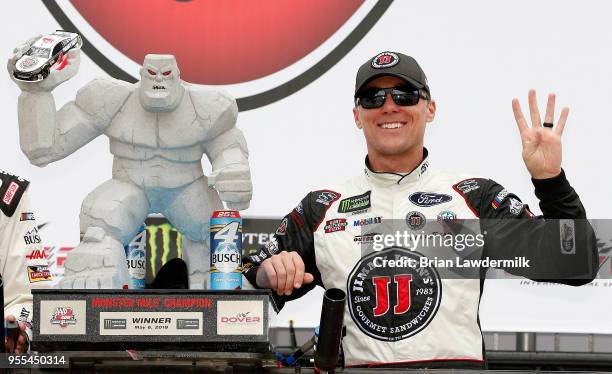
[394, 64]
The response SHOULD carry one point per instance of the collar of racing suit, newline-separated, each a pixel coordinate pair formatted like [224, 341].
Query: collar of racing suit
[388, 178]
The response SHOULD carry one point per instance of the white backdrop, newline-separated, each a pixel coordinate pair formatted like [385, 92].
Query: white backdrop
[478, 55]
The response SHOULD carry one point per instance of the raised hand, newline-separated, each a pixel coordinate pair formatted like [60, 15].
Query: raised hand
[542, 141]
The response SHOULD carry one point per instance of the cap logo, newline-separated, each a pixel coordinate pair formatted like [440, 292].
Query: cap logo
[385, 60]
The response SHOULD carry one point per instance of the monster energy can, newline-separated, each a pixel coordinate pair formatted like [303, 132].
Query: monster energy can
[136, 255]
[225, 250]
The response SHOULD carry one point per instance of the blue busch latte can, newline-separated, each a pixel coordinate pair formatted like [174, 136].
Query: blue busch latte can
[136, 254]
[225, 250]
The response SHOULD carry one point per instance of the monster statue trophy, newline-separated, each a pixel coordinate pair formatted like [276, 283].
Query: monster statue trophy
[159, 129]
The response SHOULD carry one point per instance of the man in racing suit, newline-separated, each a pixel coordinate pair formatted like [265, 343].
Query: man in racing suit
[23, 262]
[422, 315]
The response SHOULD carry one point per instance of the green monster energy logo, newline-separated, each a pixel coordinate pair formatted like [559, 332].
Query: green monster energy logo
[355, 203]
[167, 244]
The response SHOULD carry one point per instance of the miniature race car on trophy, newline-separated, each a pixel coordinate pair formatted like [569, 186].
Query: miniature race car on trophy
[35, 64]
[159, 128]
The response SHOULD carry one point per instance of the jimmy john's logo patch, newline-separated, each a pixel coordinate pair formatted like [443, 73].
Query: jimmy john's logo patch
[385, 60]
[390, 296]
[355, 204]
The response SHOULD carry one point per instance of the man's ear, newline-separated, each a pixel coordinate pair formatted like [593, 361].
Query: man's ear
[431, 110]
[356, 116]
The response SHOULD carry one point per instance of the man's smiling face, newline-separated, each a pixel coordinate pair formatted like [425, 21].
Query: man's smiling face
[393, 130]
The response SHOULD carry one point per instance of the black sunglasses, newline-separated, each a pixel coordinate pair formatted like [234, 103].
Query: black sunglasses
[375, 97]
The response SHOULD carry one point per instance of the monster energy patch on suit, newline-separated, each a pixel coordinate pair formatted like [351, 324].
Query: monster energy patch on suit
[355, 204]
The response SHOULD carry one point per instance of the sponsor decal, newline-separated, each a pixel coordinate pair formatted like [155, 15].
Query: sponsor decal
[10, 193]
[150, 323]
[240, 317]
[391, 296]
[355, 204]
[426, 199]
[467, 185]
[115, 323]
[28, 62]
[567, 236]
[63, 316]
[385, 60]
[282, 228]
[37, 254]
[24, 315]
[163, 239]
[446, 215]
[272, 246]
[187, 324]
[499, 198]
[424, 167]
[415, 220]
[39, 273]
[299, 208]
[333, 225]
[515, 206]
[27, 216]
[327, 197]
[367, 221]
[366, 238]
[32, 237]
[258, 258]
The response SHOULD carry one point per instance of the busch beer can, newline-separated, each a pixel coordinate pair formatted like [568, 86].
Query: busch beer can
[226, 250]
[136, 255]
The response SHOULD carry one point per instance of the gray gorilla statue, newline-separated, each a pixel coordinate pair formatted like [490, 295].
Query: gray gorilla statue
[159, 129]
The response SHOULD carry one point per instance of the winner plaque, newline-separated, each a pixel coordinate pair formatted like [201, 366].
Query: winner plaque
[197, 320]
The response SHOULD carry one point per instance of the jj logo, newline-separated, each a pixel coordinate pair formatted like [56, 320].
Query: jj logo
[381, 284]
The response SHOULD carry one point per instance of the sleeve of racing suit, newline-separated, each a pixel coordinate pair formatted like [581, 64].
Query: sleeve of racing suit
[295, 233]
[559, 246]
[24, 264]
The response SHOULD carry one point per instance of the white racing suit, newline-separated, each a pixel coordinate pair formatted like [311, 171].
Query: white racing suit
[427, 315]
[23, 262]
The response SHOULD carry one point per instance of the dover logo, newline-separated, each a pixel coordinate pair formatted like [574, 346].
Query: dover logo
[63, 316]
[240, 317]
[223, 42]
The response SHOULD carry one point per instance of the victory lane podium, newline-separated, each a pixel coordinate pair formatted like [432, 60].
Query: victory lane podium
[160, 320]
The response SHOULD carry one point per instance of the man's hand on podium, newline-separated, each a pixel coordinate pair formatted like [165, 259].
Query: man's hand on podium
[283, 272]
[18, 343]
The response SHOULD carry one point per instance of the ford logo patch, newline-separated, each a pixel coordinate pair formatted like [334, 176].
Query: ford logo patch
[429, 199]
